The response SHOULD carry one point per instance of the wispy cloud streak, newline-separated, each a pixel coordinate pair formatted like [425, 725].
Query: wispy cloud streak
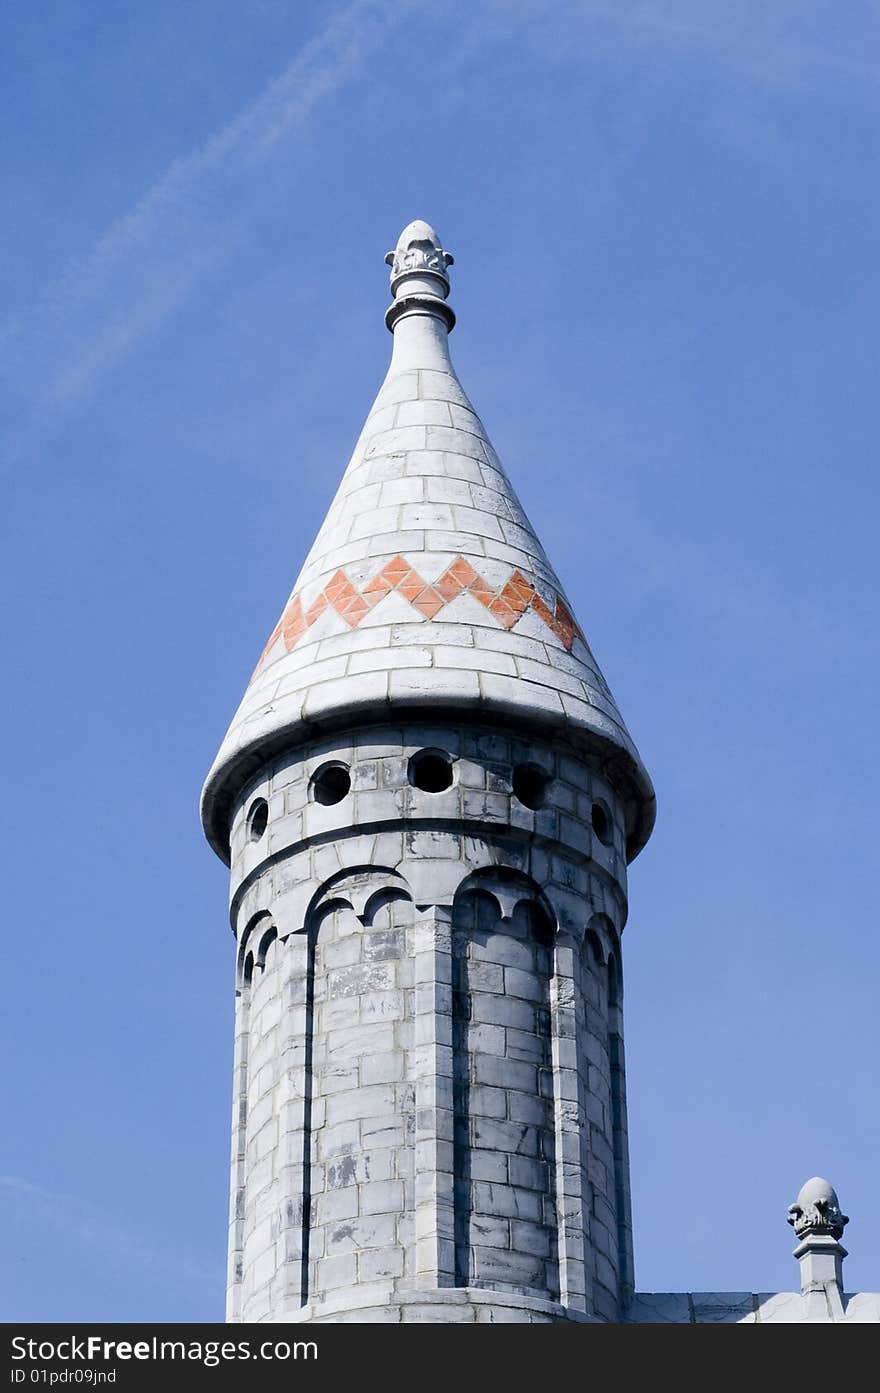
[195, 216]
[191, 221]
[102, 1233]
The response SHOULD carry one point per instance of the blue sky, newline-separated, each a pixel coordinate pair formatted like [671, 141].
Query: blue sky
[665, 219]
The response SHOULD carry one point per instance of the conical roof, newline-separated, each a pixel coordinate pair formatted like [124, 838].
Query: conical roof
[426, 586]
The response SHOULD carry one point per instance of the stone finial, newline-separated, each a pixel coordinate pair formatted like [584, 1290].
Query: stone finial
[818, 1224]
[817, 1210]
[418, 251]
[419, 283]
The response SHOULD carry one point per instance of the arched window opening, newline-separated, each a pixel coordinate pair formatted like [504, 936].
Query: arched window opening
[265, 944]
[595, 946]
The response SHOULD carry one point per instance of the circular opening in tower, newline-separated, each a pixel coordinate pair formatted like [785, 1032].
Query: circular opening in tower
[601, 819]
[257, 819]
[530, 785]
[331, 783]
[431, 771]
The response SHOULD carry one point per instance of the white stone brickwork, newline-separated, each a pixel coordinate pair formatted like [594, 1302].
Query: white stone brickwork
[429, 1065]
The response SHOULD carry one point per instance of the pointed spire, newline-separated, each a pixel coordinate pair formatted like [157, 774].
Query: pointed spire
[426, 586]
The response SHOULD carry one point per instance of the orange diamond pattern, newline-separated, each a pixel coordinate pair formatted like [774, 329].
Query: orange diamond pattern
[507, 604]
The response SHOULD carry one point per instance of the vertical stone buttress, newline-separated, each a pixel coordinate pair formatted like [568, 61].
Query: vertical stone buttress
[428, 800]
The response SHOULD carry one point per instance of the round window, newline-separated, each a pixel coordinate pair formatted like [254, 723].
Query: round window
[530, 785]
[331, 783]
[601, 819]
[431, 771]
[257, 819]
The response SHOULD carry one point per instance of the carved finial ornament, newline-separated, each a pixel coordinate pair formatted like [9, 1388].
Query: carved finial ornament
[419, 277]
[418, 250]
[817, 1210]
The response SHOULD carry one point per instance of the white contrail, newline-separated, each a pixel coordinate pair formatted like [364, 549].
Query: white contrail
[186, 225]
[199, 211]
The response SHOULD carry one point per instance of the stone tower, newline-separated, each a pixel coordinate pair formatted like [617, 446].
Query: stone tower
[428, 800]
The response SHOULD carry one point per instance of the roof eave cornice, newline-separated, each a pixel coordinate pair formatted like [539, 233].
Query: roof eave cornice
[624, 769]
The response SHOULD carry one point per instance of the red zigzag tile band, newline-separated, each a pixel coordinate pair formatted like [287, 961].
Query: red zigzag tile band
[507, 604]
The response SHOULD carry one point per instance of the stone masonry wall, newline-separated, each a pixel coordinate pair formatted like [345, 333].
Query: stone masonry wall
[428, 1055]
[505, 1165]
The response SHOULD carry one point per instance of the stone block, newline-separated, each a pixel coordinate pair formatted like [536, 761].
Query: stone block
[528, 1173]
[377, 805]
[504, 1073]
[343, 1079]
[525, 1107]
[489, 1040]
[605, 1273]
[370, 1231]
[382, 1068]
[491, 1134]
[508, 950]
[336, 1205]
[361, 979]
[360, 1103]
[379, 1132]
[485, 976]
[388, 1006]
[344, 952]
[523, 984]
[524, 1047]
[383, 945]
[373, 1037]
[490, 1231]
[530, 1238]
[603, 1241]
[487, 1102]
[381, 1197]
[512, 1268]
[508, 1201]
[489, 1009]
[352, 1169]
[489, 1165]
[334, 1272]
[380, 1262]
